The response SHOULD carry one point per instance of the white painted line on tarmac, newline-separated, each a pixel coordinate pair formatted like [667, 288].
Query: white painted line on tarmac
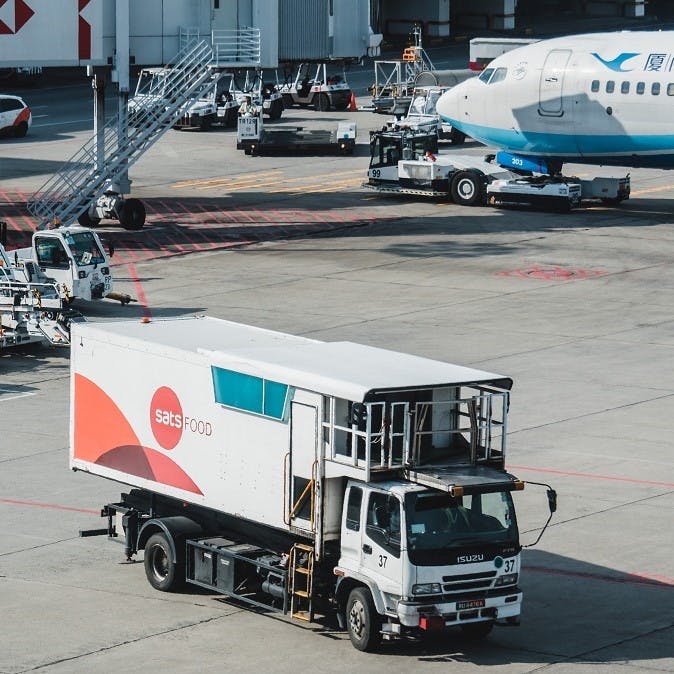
[14, 397]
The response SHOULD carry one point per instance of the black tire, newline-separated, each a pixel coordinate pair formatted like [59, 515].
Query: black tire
[133, 214]
[362, 620]
[86, 220]
[467, 189]
[20, 130]
[477, 631]
[161, 568]
[321, 102]
[276, 109]
[204, 124]
[288, 101]
[615, 201]
[342, 103]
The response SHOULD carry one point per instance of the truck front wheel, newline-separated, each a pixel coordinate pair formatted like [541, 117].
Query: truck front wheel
[161, 567]
[467, 189]
[362, 620]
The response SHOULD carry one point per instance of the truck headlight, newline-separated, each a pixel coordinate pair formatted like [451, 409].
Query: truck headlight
[427, 588]
[506, 579]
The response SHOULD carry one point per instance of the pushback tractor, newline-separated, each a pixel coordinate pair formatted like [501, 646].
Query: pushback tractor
[310, 478]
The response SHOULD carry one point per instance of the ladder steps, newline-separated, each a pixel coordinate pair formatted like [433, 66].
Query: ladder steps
[302, 615]
[301, 593]
[303, 570]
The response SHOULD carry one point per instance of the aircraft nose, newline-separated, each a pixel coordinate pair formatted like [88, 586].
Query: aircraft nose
[449, 105]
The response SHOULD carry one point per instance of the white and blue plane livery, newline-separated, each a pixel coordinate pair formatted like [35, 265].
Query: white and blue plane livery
[605, 98]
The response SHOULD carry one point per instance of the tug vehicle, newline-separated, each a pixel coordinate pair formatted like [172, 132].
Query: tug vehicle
[313, 86]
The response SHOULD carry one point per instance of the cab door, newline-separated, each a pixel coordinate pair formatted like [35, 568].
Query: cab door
[381, 553]
[53, 259]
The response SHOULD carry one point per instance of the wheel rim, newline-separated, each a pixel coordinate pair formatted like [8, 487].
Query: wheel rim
[357, 619]
[466, 188]
[160, 567]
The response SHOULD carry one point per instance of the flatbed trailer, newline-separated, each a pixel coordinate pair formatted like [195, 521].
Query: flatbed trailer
[254, 139]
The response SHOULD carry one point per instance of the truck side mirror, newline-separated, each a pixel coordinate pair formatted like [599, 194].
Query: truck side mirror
[358, 413]
[552, 500]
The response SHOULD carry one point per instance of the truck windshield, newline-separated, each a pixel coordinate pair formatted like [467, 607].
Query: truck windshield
[437, 521]
[84, 249]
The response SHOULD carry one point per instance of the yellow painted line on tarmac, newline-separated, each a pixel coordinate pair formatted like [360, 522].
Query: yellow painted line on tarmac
[193, 183]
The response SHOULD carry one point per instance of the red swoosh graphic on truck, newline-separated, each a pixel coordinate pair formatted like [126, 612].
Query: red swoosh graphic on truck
[103, 436]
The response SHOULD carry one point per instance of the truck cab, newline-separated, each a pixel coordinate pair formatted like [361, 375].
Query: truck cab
[73, 258]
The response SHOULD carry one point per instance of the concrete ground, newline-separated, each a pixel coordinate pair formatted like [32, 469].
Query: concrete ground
[575, 308]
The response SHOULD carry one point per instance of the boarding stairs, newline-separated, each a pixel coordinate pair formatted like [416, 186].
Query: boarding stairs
[82, 180]
[301, 571]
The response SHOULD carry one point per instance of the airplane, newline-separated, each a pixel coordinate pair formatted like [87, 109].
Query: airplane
[604, 98]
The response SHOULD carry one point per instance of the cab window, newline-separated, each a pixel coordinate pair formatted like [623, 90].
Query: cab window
[383, 522]
[51, 253]
[353, 509]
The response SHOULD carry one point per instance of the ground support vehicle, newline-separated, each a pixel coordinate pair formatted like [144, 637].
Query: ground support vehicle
[403, 162]
[254, 139]
[221, 106]
[305, 477]
[113, 205]
[395, 80]
[73, 258]
[313, 86]
[422, 116]
[31, 312]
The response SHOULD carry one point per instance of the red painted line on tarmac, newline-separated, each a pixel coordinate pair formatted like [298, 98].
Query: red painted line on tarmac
[140, 293]
[594, 476]
[659, 582]
[51, 506]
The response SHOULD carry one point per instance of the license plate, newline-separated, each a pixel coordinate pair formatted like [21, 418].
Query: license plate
[473, 603]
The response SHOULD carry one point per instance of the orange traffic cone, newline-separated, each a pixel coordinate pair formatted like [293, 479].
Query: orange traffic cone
[352, 105]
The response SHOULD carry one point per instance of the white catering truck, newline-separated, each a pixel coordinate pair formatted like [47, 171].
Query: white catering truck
[302, 476]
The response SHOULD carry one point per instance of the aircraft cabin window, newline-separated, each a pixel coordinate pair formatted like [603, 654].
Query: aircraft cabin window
[625, 88]
[595, 86]
[499, 75]
[655, 88]
[610, 87]
[486, 74]
[641, 87]
[670, 89]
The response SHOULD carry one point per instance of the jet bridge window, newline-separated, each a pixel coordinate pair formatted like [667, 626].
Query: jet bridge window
[595, 86]
[610, 87]
[499, 75]
[250, 394]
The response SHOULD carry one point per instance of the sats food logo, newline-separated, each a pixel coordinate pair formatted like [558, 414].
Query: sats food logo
[168, 420]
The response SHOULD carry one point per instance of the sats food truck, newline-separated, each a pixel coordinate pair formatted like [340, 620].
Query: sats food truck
[303, 476]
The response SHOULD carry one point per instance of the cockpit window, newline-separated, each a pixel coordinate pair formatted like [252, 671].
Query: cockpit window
[486, 74]
[499, 75]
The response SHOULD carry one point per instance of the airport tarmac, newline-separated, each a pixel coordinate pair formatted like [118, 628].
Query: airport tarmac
[575, 308]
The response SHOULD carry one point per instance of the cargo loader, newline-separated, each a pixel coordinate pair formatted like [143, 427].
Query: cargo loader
[308, 478]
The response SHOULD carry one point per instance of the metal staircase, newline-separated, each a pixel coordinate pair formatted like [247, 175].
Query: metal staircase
[79, 182]
[301, 571]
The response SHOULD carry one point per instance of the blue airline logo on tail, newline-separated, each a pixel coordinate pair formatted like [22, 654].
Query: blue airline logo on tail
[617, 63]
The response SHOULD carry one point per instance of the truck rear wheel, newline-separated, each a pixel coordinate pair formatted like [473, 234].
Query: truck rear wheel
[476, 631]
[467, 189]
[363, 622]
[322, 102]
[86, 220]
[288, 101]
[161, 568]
